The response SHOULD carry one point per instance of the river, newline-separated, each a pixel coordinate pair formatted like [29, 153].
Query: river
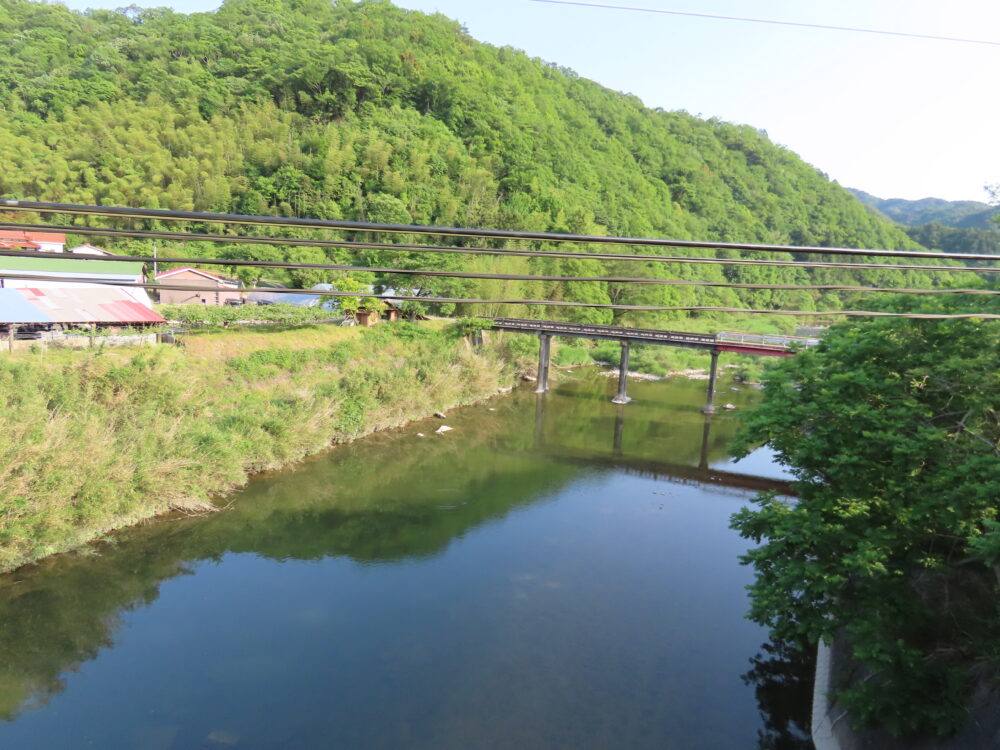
[556, 572]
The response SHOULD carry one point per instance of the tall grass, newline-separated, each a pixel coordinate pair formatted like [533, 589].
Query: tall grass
[97, 441]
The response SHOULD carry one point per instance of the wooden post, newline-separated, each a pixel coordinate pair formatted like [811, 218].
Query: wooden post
[93, 334]
[709, 407]
[544, 345]
[11, 330]
[622, 396]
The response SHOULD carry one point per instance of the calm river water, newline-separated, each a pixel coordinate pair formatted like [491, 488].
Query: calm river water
[554, 573]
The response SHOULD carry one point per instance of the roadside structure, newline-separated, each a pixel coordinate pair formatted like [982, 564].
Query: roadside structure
[36, 309]
[215, 290]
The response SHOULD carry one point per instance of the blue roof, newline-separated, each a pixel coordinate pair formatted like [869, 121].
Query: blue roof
[14, 308]
[299, 300]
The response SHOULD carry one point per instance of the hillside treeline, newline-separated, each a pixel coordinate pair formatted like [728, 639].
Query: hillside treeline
[367, 111]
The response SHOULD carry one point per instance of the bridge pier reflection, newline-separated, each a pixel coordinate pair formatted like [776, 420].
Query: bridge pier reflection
[616, 442]
[539, 420]
[705, 432]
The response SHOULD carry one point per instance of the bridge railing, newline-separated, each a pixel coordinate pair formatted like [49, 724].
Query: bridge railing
[766, 339]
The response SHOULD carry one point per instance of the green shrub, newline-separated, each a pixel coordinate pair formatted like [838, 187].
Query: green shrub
[568, 354]
[224, 315]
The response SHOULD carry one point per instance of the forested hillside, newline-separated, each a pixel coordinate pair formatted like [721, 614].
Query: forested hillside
[955, 240]
[366, 111]
[961, 214]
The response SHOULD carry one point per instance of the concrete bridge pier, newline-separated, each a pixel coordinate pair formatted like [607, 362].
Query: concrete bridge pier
[544, 348]
[709, 407]
[622, 396]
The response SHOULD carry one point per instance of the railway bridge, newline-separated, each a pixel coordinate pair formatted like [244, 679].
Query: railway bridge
[740, 343]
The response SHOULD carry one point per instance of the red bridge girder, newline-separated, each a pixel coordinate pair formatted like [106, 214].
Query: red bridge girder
[759, 350]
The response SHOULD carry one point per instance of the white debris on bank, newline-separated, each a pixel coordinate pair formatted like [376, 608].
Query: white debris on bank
[631, 375]
[694, 373]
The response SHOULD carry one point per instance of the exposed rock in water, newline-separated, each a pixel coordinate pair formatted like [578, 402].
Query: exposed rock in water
[439, 415]
[529, 378]
[443, 428]
[729, 407]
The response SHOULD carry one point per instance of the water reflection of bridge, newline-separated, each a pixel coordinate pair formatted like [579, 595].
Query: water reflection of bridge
[697, 476]
[702, 475]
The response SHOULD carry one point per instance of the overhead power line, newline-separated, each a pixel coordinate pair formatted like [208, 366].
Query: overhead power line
[294, 265]
[774, 22]
[158, 214]
[527, 302]
[393, 247]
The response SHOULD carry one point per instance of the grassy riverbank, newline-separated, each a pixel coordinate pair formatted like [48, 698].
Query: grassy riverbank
[98, 441]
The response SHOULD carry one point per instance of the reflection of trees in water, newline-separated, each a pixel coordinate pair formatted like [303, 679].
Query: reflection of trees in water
[61, 613]
[782, 677]
[390, 497]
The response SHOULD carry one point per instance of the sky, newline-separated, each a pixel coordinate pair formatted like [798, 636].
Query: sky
[896, 117]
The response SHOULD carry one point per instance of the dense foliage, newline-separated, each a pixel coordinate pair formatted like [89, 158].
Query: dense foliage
[892, 431]
[955, 240]
[366, 111]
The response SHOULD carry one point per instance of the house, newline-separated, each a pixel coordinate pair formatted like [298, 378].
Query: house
[215, 290]
[43, 242]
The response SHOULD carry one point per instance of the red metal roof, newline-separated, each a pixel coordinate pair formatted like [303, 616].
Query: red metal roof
[87, 305]
[17, 235]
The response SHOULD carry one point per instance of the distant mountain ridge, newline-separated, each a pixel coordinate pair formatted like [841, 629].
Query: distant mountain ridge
[960, 214]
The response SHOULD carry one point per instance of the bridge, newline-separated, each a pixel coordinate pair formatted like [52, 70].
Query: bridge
[740, 343]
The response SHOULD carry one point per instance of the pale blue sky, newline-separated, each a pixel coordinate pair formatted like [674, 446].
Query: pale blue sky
[897, 117]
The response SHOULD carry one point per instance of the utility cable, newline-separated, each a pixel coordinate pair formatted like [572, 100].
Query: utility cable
[495, 234]
[292, 265]
[392, 247]
[773, 21]
[527, 302]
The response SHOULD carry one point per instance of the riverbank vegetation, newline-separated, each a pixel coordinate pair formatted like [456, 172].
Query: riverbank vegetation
[892, 431]
[96, 441]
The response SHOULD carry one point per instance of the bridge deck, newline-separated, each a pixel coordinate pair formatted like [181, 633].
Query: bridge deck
[742, 343]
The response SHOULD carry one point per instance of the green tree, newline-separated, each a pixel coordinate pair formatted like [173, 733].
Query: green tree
[892, 431]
